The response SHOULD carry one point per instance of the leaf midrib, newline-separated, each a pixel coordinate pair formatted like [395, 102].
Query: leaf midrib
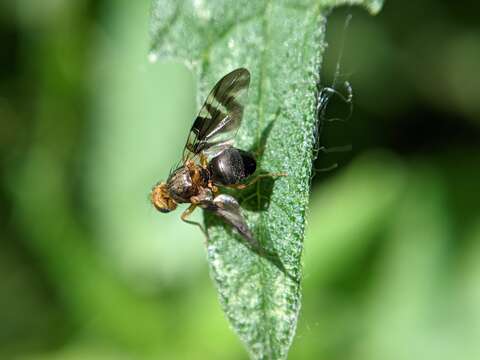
[261, 120]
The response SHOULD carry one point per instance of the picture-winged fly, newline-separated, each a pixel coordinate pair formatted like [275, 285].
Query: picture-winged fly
[210, 161]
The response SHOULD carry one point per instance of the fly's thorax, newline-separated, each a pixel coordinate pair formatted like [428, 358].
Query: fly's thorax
[186, 182]
[231, 166]
[180, 185]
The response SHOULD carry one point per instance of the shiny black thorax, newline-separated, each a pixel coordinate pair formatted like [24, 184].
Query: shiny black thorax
[231, 166]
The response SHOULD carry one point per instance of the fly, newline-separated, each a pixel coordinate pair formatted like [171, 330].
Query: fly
[211, 162]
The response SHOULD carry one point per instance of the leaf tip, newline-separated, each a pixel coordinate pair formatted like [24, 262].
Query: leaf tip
[374, 6]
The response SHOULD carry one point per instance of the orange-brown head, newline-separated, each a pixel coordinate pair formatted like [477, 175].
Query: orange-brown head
[161, 199]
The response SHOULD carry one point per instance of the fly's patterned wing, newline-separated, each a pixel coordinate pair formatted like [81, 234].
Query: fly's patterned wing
[220, 116]
[227, 208]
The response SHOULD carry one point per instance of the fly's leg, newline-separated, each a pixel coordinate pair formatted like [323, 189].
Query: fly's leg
[214, 188]
[243, 186]
[187, 213]
[203, 160]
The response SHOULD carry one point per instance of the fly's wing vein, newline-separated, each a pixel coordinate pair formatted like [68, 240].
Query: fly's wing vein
[220, 116]
[227, 208]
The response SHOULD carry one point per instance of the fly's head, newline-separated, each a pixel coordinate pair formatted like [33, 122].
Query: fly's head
[161, 199]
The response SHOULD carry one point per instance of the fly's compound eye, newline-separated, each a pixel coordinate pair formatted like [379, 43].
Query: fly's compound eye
[161, 199]
[163, 210]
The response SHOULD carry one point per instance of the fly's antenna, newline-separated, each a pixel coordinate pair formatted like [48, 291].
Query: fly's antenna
[325, 93]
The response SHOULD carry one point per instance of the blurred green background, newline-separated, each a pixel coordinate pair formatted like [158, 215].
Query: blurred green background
[88, 270]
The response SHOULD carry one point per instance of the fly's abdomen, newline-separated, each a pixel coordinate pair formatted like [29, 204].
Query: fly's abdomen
[231, 166]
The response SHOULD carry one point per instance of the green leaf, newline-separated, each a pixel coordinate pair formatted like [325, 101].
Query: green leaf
[281, 43]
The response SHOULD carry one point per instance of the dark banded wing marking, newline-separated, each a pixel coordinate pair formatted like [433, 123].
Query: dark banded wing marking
[220, 116]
